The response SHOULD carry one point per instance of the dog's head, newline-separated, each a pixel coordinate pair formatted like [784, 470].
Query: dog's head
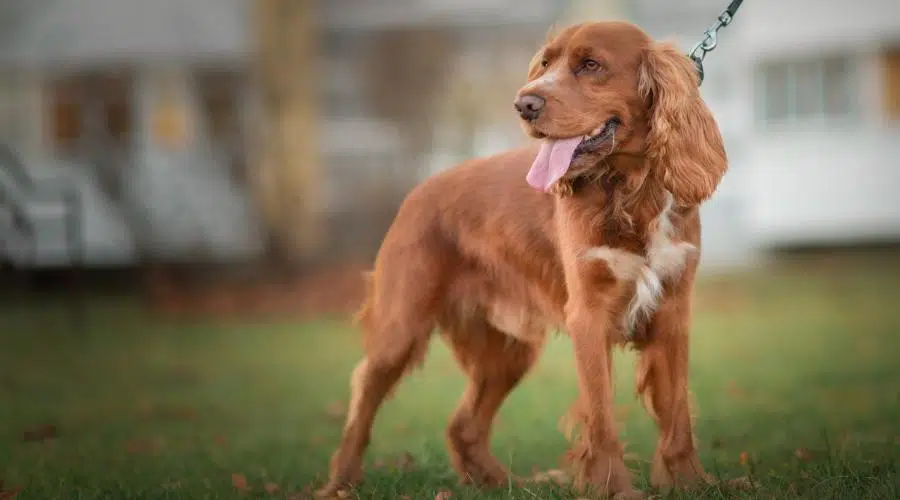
[599, 89]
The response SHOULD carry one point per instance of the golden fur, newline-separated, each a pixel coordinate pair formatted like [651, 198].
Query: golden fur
[609, 258]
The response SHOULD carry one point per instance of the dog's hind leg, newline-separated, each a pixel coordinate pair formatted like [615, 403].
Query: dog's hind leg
[397, 328]
[494, 363]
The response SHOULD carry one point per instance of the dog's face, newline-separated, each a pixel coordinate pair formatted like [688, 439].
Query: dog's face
[602, 88]
[585, 81]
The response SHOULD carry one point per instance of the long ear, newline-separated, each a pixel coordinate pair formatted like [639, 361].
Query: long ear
[684, 142]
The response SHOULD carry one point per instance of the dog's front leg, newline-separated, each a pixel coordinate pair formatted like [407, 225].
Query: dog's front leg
[662, 380]
[596, 453]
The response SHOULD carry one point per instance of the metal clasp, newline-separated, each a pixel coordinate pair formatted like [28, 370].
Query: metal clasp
[709, 42]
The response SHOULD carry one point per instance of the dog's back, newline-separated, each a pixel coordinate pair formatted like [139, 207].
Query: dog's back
[464, 238]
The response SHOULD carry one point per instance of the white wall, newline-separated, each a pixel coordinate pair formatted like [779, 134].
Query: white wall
[392, 13]
[820, 181]
[827, 185]
[789, 26]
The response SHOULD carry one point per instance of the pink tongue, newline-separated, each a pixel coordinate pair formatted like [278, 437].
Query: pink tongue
[551, 162]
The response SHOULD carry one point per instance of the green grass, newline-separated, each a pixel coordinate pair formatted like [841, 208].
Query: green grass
[793, 358]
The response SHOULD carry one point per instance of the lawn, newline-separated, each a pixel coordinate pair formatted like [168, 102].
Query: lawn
[795, 372]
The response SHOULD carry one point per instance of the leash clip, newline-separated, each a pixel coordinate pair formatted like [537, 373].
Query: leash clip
[711, 40]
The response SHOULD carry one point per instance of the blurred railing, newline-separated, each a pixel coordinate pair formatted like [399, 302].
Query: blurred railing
[24, 201]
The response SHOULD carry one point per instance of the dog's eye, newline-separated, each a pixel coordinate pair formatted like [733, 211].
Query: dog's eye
[590, 65]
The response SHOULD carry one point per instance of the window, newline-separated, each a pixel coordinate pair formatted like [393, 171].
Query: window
[821, 88]
[219, 95]
[344, 94]
[64, 125]
[88, 107]
[13, 112]
[839, 89]
[891, 85]
[774, 92]
[221, 100]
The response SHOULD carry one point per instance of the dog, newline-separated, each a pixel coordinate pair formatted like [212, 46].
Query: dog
[594, 231]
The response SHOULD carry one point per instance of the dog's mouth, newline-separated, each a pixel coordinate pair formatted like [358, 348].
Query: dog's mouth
[556, 156]
[598, 139]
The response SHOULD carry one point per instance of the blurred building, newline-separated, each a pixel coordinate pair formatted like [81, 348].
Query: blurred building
[153, 113]
[148, 111]
[139, 109]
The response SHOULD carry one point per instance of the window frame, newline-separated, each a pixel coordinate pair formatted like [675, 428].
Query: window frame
[850, 84]
[889, 81]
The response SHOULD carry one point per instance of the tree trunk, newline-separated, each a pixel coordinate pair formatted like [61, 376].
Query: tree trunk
[289, 175]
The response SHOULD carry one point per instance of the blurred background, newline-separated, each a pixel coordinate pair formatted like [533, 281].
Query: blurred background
[240, 134]
[230, 158]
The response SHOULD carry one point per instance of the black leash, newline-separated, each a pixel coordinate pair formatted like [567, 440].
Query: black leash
[710, 41]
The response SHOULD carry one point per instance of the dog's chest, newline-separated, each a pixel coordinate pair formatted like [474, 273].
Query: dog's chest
[645, 273]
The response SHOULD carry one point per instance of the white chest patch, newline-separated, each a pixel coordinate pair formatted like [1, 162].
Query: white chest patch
[664, 260]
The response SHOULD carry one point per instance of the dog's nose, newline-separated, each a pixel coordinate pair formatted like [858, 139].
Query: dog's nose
[529, 106]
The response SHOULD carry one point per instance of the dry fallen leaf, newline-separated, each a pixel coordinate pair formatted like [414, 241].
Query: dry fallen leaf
[405, 462]
[220, 440]
[272, 488]
[183, 413]
[239, 481]
[172, 485]
[134, 446]
[734, 391]
[744, 458]
[41, 433]
[803, 454]
[336, 410]
[443, 495]
[7, 494]
[144, 407]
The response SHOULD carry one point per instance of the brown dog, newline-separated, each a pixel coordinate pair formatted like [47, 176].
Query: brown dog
[603, 244]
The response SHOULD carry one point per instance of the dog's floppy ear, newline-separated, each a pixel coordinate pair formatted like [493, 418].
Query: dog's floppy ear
[551, 34]
[684, 142]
